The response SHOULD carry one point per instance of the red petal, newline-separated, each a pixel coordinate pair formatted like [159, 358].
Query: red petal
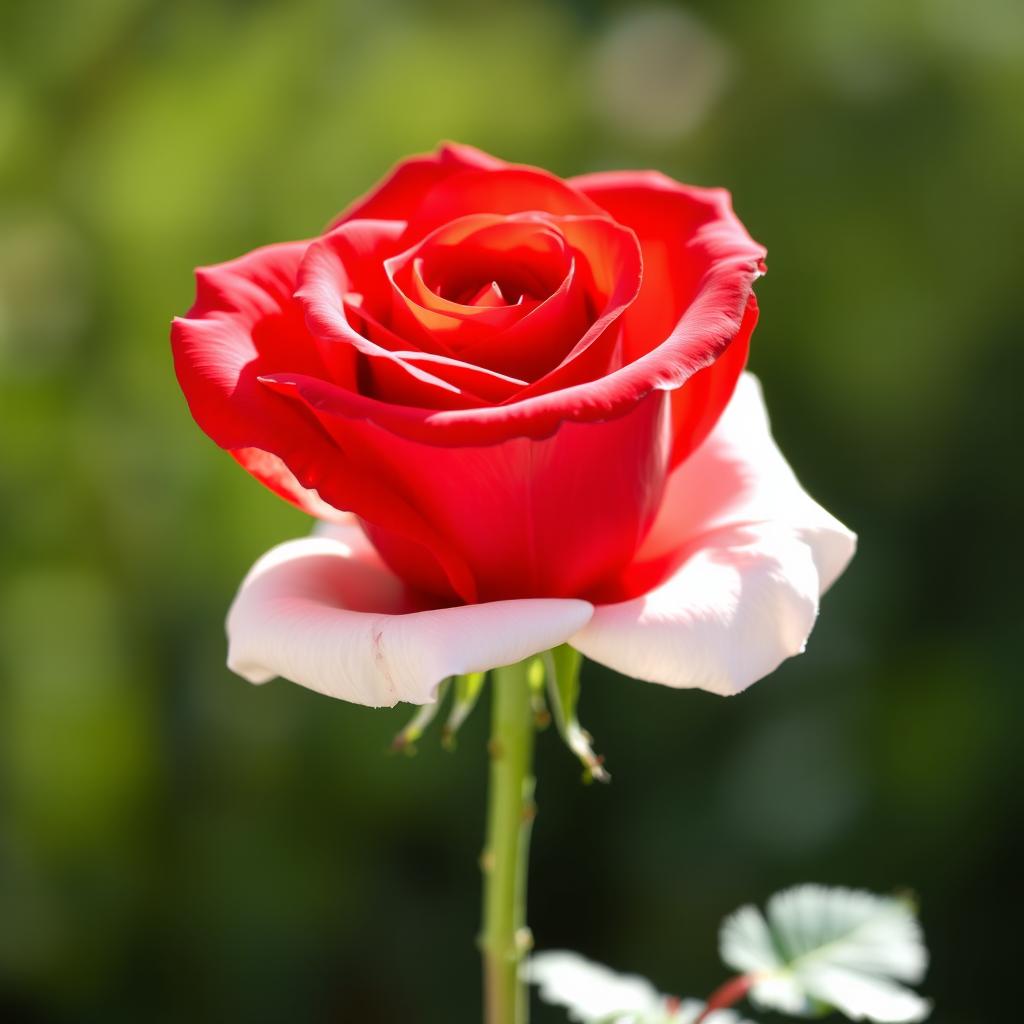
[353, 256]
[409, 180]
[348, 260]
[528, 347]
[528, 254]
[245, 324]
[609, 257]
[675, 225]
[696, 408]
[684, 233]
[488, 385]
[419, 310]
[270, 470]
[507, 190]
[528, 518]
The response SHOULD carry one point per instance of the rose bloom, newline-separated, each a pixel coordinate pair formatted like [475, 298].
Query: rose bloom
[517, 405]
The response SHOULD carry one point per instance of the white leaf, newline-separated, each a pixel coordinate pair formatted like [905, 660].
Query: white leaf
[590, 991]
[845, 948]
[594, 994]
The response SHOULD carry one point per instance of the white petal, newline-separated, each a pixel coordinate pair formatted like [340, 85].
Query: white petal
[326, 613]
[759, 552]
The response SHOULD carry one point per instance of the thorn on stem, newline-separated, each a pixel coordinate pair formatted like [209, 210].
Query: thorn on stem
[524, 941]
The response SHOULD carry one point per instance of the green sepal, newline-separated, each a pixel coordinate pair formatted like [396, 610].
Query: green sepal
[405, 741]
[563, 683]
[467, 691]
[536, 673]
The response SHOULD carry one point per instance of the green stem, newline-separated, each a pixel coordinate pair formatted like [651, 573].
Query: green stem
[504, 939]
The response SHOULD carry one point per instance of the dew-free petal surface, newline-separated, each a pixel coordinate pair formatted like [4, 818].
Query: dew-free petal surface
[326, 613]
[736, 562]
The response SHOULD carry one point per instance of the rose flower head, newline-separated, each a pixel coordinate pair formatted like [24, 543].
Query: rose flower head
[517, 404]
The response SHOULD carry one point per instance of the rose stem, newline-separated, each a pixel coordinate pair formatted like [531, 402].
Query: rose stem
[726, 995]
[504, 939]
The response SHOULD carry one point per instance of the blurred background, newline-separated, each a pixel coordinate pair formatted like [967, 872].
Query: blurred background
[177, 845]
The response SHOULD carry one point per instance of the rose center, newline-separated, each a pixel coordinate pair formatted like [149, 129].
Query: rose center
[483, 282]
[493, 293]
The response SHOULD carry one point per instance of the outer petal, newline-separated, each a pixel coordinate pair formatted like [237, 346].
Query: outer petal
[742, 553]
[326, 613]
[272, 471]
[513, 188]
[401, 191]
[243, 324]
[500, 510]
[694, 250]
[694, 308]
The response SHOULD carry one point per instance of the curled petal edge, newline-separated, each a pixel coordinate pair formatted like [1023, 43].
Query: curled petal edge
[324, 612]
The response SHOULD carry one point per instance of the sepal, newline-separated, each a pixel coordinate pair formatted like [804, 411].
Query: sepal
[467, 692]
[562, 671]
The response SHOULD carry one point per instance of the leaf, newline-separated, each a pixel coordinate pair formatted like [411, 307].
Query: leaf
[563, 678]
[842, 948]
[406, 739]
[594, 994]
[589, 991]
[467, 690]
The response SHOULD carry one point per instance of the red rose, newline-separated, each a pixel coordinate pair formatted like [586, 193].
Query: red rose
[526, 391]
[495, 369]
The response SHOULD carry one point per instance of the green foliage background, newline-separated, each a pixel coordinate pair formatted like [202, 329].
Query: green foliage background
[176, 845]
